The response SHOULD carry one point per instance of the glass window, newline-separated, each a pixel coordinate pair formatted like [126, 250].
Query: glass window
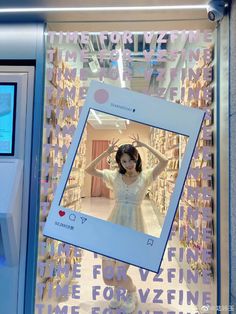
[177, 66]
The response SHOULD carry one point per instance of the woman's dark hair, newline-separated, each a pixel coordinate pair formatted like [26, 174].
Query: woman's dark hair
[134, 155]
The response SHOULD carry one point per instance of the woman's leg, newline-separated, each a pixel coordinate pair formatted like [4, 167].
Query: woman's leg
[115, 274]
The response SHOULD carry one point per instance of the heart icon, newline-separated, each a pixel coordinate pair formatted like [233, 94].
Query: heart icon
[62, 213]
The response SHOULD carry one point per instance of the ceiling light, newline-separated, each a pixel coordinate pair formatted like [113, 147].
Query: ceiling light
[102, 9]
[96, 116]
[121, 68]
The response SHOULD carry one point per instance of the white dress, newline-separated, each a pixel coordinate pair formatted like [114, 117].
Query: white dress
[128, 197]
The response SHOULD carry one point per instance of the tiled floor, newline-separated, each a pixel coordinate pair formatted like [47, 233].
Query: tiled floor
[146, 287]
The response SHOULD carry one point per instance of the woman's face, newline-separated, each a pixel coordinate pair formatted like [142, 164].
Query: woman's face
[127, 163]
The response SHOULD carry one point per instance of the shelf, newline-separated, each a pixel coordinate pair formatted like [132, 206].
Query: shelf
[72, 186]
[73, 202]
[60, 169]
[60, 144]
[172, 170]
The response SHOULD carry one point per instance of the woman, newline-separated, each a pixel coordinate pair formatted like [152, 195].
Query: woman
[129, 184]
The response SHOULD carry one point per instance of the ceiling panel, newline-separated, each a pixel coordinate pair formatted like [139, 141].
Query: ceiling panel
[104, 121]
[95, 3]
[129, 20]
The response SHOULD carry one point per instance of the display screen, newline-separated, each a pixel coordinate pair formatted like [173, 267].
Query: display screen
[7, 117]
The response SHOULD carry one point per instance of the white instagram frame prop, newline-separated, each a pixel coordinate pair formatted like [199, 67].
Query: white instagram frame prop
[103, 237]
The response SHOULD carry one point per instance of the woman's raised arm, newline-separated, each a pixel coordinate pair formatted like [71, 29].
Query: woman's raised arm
[161, 158]
[91, 168]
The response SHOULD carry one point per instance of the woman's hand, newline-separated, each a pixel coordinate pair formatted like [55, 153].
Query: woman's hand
[112, 146]
[136, 142]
